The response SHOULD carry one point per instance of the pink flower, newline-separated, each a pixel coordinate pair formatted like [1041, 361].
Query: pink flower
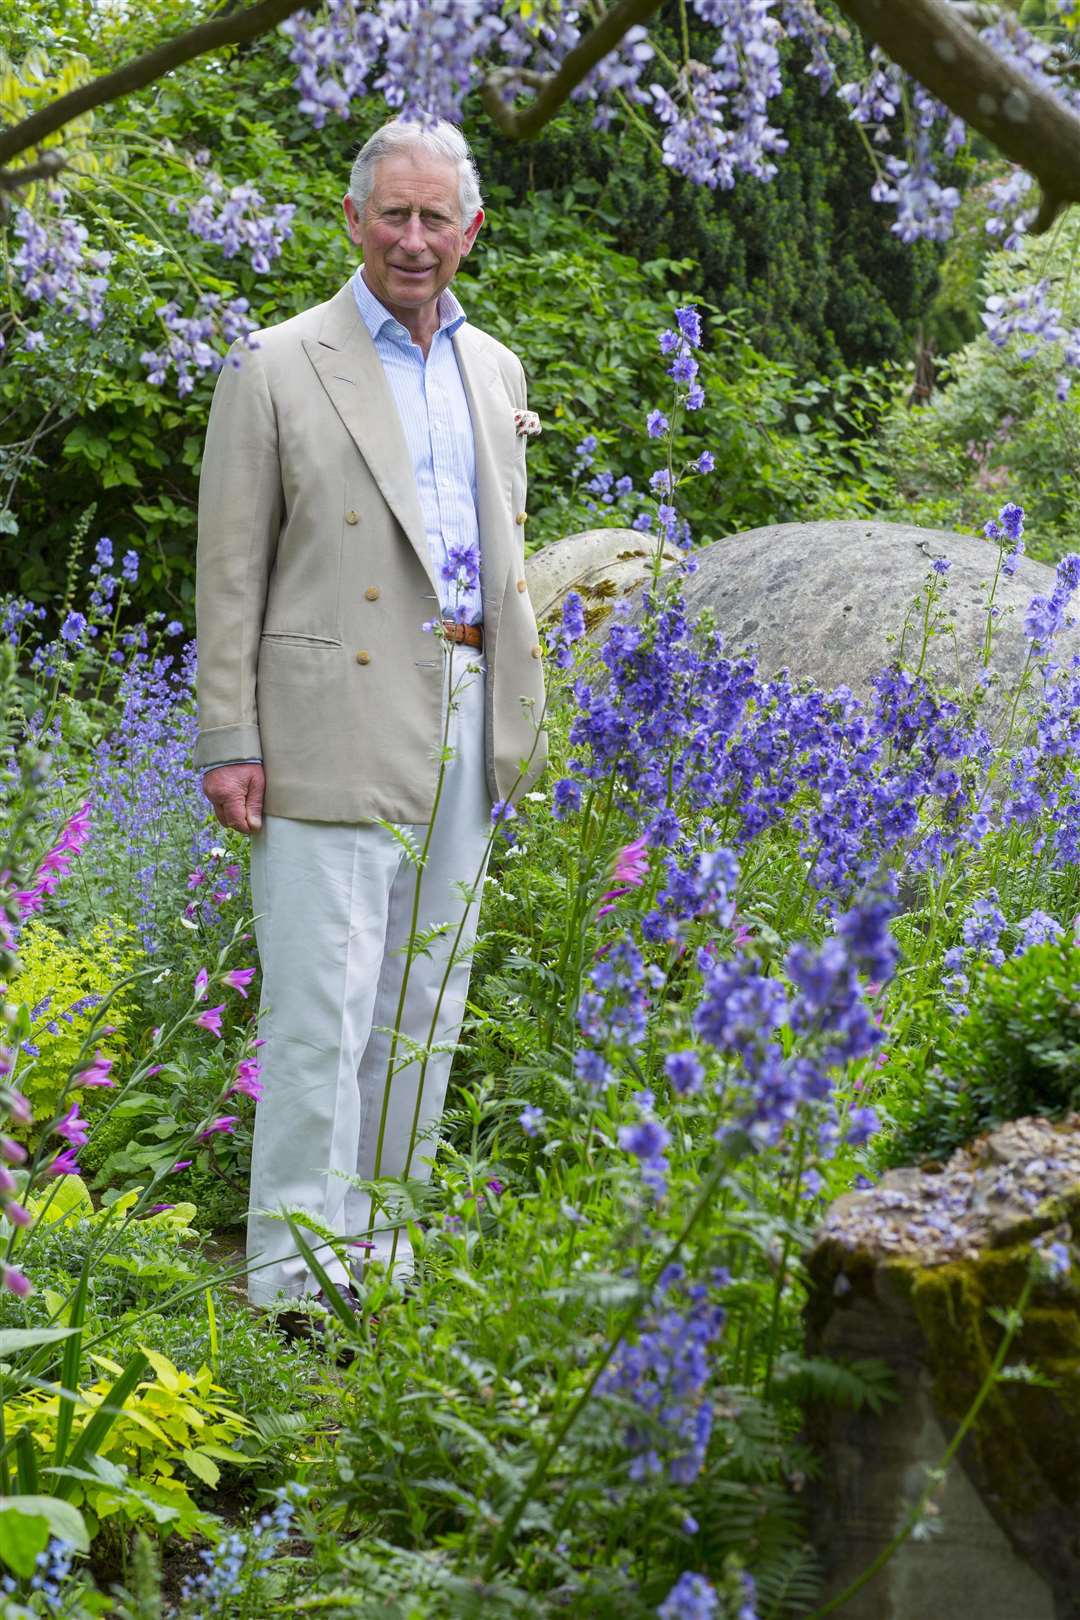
[202, 979]
[16, 1214]
[97, 1074]
[65, 1164]
[247, 1080]
[156, 1209]
[239, 979]
[211, 1019]
[20, 1108]
[631, 864]
[155, 1068]
[222, 1126]
[628, 869]
[181, 1164]
[57, 862]
[12, 1151]
[73, 1128]
[16, 1282]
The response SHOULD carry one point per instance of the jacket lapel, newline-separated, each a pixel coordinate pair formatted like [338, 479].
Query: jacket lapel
[351, 372]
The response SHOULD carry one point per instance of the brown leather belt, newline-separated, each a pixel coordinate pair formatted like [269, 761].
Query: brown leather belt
[470, 635]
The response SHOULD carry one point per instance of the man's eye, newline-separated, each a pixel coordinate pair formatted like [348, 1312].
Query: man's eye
[440, 220]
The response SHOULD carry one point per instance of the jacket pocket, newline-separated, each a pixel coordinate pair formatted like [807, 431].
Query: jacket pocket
[297, 638]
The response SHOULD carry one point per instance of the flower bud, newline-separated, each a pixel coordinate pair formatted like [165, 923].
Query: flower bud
[15, 1281]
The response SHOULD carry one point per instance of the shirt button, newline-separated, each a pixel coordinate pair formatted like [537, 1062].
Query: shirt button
[363, 657]
[521, 517]
[372, 593]
[522, 585]
[537, 651]
[352, 517]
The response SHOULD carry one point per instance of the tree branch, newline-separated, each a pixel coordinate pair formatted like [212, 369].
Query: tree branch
[49, 164]
[930, 40]
[576, 64]
[231, 29]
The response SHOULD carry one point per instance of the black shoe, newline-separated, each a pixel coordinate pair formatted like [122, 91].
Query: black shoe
[311, 1324]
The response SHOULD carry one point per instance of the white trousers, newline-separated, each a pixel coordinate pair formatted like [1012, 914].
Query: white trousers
[334, 905]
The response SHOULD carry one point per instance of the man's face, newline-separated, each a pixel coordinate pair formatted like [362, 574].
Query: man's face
[411, 232]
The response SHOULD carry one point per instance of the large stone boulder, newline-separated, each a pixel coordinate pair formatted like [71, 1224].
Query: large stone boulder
[916, 1273]
[602, 564]
[823, 600]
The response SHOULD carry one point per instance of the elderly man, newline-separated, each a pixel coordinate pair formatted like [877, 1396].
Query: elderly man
[357, 460]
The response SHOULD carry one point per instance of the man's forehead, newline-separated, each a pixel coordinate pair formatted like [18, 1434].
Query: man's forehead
[410, 177]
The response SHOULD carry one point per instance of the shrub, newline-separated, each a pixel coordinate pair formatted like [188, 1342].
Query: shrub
[62, 983]
[1016, 1053]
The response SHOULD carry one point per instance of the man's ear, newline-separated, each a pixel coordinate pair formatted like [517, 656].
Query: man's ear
[352, 218]
[472, 230]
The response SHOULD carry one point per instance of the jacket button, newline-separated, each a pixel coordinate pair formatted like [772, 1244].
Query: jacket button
[372, 593]
[352, 517]
[522, 585]
[363, 657]
[537, 651]
[521, 517]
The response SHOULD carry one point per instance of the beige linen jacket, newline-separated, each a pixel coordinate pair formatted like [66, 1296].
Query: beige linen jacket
[314, 578]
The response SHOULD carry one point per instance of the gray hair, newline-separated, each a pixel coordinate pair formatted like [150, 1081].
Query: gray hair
[439, 140]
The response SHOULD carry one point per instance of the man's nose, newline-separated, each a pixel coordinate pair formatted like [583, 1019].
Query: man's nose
[413, 239]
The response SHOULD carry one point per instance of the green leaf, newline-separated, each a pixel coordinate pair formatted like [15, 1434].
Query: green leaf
[12, 1340]
[202, 1466]
[23, 1535]
[26, 1524]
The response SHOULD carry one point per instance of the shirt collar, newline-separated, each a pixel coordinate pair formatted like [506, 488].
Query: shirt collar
[377, 318]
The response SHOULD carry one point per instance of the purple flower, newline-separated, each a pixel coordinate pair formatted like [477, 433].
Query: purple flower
[689, 322]
[691, 1598]
[96, 1074]
[224, 1125]
[657, 424]
[566, 798]
[64, 1164]
[706, 462]
[647, 1139]
[591, 1067]
[685, 1071]
[73, 1128]
[239, 979]
[531, 1119]
[16, 1282]
[210, 1019]
[73, 628]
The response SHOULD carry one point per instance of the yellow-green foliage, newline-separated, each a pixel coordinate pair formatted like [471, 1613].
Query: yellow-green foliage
[175, 1428]
[68, 972]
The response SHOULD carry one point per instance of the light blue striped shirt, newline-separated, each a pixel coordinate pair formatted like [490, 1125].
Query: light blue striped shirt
[434, 412]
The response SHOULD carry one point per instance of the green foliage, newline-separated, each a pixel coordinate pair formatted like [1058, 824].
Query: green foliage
[994, 430]
[175, 1429]
[57, 975]
[1016, 1053]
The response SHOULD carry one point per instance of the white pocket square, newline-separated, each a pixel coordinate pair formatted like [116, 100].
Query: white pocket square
[527, 423]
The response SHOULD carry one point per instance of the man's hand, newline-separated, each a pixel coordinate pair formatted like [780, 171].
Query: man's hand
[236, 793]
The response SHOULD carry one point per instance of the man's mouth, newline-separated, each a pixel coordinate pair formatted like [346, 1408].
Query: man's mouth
[413, 270]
